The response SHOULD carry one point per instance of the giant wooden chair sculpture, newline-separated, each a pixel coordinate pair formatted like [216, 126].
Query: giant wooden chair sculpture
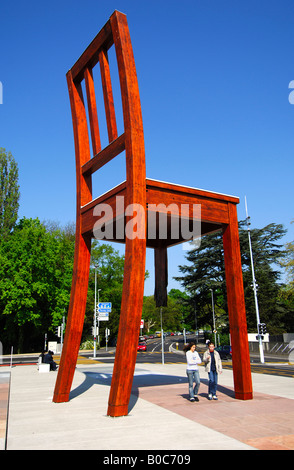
[218, 212]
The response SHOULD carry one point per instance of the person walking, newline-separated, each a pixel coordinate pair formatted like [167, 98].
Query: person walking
[193, 359]
[213, 365]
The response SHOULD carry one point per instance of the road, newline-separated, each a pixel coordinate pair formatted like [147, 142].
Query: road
[154, 355]
[173, 346]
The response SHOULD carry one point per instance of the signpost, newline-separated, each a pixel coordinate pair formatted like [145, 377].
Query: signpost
[103, 316]
[102, 309]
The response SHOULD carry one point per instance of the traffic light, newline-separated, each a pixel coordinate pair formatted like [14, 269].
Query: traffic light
[261, 328]
[94, 333]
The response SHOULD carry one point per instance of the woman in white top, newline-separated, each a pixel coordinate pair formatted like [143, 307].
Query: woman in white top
[193, 359]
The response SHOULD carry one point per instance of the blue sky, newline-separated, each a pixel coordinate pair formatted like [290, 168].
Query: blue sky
[214, 84]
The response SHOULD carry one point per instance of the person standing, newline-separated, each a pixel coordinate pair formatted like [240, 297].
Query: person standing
[193, 359]
[213, 365]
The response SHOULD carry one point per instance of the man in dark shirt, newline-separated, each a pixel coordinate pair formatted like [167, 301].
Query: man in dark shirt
[48, 359]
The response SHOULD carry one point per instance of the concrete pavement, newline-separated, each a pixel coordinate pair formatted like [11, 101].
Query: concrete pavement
[160, 415]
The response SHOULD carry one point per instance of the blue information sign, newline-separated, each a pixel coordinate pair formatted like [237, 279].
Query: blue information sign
[104, 307]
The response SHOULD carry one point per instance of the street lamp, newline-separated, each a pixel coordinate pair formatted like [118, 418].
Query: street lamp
[95, 312]
[254, 288]
[195, 313]
[98, 320]
[213, 316]
[162, 340]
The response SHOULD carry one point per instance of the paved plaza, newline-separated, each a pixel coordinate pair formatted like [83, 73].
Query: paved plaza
[160, 415]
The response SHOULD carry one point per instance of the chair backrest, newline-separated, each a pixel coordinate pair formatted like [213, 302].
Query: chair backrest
[85, 116]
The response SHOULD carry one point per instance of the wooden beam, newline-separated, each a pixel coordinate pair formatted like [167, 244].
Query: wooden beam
[103, 157]
[236, 307]
[135, 252]
[92, 109]
[161, 276]
[90, 56]
[108, 95]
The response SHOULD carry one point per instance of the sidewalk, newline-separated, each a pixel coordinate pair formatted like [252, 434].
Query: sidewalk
[160, 415]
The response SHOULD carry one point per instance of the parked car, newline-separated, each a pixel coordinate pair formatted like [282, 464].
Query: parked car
[225, 351]
[142, 346]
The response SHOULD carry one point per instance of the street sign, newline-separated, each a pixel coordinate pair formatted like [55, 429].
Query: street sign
[104, 307]
[103, 316]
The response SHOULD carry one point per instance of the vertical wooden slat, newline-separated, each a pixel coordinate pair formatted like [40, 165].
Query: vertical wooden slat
[108, 95]
[92, 109]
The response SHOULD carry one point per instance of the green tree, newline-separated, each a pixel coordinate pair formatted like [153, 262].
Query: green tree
[206, 272]
[35, 279]
[268, 253]
[171, 315]
[185, 308]
[286, 294]
[9, 193]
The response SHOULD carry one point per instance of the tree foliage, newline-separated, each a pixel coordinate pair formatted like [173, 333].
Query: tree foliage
[9, 193]
[36, 264]
[172, 318]
[35, 278]
[287, 291]
[205, 273]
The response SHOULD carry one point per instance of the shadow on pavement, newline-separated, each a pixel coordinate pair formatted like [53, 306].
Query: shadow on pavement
[141, 379]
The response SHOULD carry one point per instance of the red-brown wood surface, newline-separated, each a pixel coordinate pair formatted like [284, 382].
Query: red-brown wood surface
[135, 252]
[161, 276]
[236, 307]
[103, 157]
[75, 318]
[108, 96]
[92, 109]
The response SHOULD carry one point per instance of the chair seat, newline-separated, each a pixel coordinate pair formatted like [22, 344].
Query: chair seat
[161, 197]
